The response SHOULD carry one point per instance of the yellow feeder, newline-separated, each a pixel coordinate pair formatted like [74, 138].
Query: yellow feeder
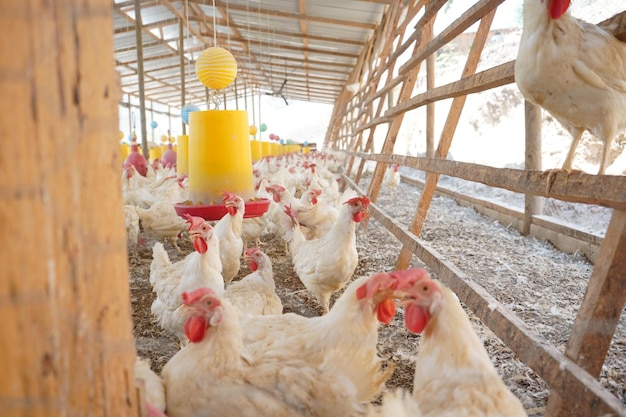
[306, 150]
[266, 149]
[219, 156]
[256, 149]
[182, 155]
[155, 153]
[124, 151]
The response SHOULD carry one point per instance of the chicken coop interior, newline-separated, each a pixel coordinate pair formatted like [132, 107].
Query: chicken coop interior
[368, 271]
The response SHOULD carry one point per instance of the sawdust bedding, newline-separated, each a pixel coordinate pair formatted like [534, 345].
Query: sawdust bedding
[541, 285]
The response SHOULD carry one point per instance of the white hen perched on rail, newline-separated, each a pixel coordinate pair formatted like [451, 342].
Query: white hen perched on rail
[574, 70]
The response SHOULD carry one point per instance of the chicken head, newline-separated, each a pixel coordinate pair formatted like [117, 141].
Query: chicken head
[254, 256]
[204, 309]
[232, 202]
[200, 232]
[276, 191]
[358, 207]
[422, 298]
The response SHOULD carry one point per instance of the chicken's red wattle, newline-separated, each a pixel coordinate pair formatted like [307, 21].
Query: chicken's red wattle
[253, 266]
[558, 7]
[232, 210]
[385, 310]
[200, 244]
[415, 318]
[357, 217]
[195, 328]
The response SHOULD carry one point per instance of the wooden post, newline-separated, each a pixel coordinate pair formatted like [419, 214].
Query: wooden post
[599, 312]
[533, 205]
[430, 107]
[140, 78]
[446, 137]
[181, 56]
[66, 332]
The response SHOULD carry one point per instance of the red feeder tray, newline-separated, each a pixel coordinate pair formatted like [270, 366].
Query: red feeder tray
[254, 208]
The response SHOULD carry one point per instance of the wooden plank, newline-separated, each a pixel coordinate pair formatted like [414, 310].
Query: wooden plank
[533, 205]
[599, 313]
[603, 190]
[467, 19]
[430, 86]
[485, 80]
[563, 236]
[447, 135]
[66, 333]
[561, 373]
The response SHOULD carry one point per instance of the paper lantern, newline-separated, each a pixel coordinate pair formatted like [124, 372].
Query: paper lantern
[188, 108]
[154, 124]
[305, 143]
[272, 136]
[263, 127]
[216, 68]
[253, 130]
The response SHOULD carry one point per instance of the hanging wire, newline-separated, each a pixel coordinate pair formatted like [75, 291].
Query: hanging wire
[214, 26]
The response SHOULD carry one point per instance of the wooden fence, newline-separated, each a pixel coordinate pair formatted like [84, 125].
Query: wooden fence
[387, 93]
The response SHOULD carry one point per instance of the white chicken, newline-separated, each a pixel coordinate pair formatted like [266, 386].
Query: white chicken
[161, 221]
[350, 329]
[213, 376]
[392, 178]
[201, 268]
[229, 230]
[131, 221]
[325, 264]
[454, 375]
[574, 70]
[315, 216]
[153, 384]
[255, 293]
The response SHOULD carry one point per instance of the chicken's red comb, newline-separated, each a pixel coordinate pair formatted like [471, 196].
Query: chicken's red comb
[228, 196]
[251, 251]
[194, 221]
[365, 201]
[193, 296]
[290, 212]
[407, 278]
[275, 188]
[375, 283]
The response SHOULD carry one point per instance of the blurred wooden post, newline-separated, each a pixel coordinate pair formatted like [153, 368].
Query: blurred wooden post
[430, 107]
[533, 205]
[140, 79]
[66, 337]
[181, 59]
[599, 312]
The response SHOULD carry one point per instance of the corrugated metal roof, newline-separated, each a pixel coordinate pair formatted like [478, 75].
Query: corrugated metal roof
[307, 47]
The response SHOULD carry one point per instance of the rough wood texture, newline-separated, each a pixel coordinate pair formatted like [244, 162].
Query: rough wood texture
[604, 190]
[599, 313]
[65, 336]
[447, 134]
[533, 205]
[561, 373]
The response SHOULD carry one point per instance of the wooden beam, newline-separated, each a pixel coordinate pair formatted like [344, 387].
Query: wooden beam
[140, 79]
[66, 334]
[561, 373]
[447, 134]
[493, 77]
[598, 315]
[603, 190]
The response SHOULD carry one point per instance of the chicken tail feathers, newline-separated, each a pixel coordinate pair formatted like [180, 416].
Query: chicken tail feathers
[160, 260]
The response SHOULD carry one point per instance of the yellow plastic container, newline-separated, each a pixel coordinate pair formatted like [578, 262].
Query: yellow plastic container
[266, 149]
[256, 150]
[182, 155]
[124, 151]
[155, 153]
[219, 156]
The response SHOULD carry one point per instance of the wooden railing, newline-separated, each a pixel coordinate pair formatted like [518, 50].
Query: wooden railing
[573, 376]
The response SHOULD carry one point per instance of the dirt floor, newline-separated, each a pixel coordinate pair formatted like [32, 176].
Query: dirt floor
[543, 286]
